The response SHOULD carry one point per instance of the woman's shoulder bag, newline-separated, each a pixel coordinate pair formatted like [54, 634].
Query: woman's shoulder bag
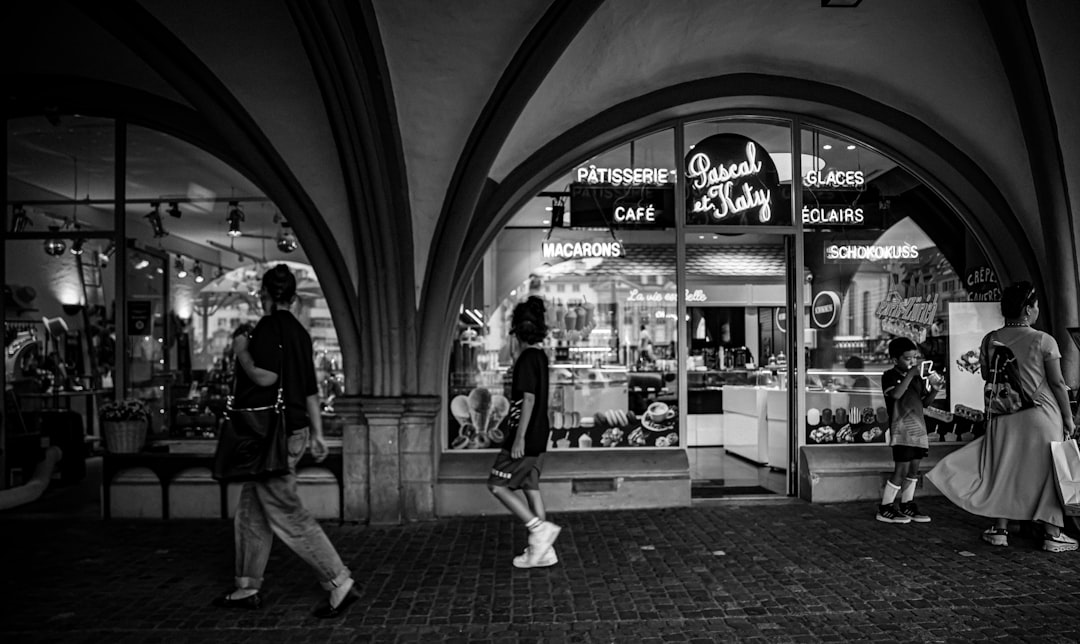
[254, 443]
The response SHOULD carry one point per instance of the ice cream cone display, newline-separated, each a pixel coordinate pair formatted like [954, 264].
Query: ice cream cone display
[500, 406]
[479, 407]
[459, 408]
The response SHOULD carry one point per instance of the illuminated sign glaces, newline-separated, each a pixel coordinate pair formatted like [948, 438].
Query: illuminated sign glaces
[732, 180]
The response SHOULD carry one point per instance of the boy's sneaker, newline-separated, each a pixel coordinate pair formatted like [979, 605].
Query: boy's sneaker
[911, 511]
[891, 514]
[996, 536]
[549, 559]
[541, 540]
[1061, 543]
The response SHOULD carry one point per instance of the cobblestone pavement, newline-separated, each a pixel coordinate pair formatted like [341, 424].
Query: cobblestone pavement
[776, 572]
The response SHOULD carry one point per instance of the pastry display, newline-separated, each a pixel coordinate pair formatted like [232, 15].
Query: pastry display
[611, 437]
[872, 434]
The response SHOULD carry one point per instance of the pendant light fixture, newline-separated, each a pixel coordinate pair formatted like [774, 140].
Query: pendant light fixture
[197, 272]
[174, 210]
[235, 216]
[55, 246]
[181, 270]
[77, 246]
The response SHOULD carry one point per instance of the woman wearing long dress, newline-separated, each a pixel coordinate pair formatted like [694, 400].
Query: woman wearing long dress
[1008, 474]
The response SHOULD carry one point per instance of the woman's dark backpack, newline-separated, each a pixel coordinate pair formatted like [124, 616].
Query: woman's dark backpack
[1002, 393]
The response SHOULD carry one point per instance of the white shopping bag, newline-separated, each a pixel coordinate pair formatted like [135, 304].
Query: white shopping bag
[1066, 457]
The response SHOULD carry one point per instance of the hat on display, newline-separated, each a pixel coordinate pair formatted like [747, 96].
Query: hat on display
[19, 297]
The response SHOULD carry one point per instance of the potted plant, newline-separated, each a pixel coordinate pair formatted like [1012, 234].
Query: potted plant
[123, 425]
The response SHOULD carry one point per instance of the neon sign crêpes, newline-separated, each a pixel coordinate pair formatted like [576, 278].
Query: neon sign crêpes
[731, 179]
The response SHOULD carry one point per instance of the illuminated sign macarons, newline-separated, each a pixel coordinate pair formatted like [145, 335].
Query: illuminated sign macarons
[581, 249]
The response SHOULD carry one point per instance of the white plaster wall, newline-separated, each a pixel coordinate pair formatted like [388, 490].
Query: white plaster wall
[254, 49]
[445, 59]
[933, 60]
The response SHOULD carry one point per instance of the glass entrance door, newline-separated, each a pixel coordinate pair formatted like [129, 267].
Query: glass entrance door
[736, 291]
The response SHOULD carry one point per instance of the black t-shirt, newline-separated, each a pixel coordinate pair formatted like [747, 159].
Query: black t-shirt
[293, 358]
[531, 376]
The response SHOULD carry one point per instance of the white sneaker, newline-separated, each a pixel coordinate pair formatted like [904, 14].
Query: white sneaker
[549, 559]
[1061, 543]
[541, 540]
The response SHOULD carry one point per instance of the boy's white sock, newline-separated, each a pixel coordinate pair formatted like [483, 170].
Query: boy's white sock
[889, 495]
[907, 493]
[533, 523]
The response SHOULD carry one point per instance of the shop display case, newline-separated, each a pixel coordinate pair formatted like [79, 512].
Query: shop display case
[844, 407]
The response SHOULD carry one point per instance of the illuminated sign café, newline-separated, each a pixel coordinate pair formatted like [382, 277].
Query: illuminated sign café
[669, 275]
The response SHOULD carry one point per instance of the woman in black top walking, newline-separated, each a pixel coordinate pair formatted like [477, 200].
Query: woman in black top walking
[280, 347]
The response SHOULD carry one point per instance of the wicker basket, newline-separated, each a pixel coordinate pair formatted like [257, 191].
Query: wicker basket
[124, 436]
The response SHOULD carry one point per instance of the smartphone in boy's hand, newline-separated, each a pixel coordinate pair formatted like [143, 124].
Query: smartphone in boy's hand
[244, 329]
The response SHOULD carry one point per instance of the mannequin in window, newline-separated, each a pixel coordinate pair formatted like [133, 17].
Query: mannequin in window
[645, 346]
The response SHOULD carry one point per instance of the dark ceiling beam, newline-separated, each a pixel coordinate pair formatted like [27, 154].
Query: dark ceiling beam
[168, 56]
[530, 65]
[345, 50]
[1018, 49]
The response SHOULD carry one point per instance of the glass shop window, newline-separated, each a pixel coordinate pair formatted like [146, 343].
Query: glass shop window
[598, 247]
[881, 242]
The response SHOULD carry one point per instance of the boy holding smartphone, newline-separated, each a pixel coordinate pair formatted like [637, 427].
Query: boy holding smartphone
[906, 393]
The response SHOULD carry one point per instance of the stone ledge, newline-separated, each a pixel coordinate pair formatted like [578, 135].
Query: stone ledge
[839, 473]
[573, 481]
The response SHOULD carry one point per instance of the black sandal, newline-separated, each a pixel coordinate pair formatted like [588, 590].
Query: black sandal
[326, 611]
[251, 602]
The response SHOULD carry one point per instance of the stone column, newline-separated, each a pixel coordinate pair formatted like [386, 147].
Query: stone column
[384, 459]
[389, 460]
[418, 457]
[354, 447]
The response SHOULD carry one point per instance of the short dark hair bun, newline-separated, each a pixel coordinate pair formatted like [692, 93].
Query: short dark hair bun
[280, 284]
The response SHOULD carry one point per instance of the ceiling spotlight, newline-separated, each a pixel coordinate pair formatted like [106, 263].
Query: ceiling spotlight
[174, 210]
[20, 221]
[155, 221]
[55, 247]
[196, 270]
[77, 246]
[286, 241]
[181, 271]
[234, 218]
